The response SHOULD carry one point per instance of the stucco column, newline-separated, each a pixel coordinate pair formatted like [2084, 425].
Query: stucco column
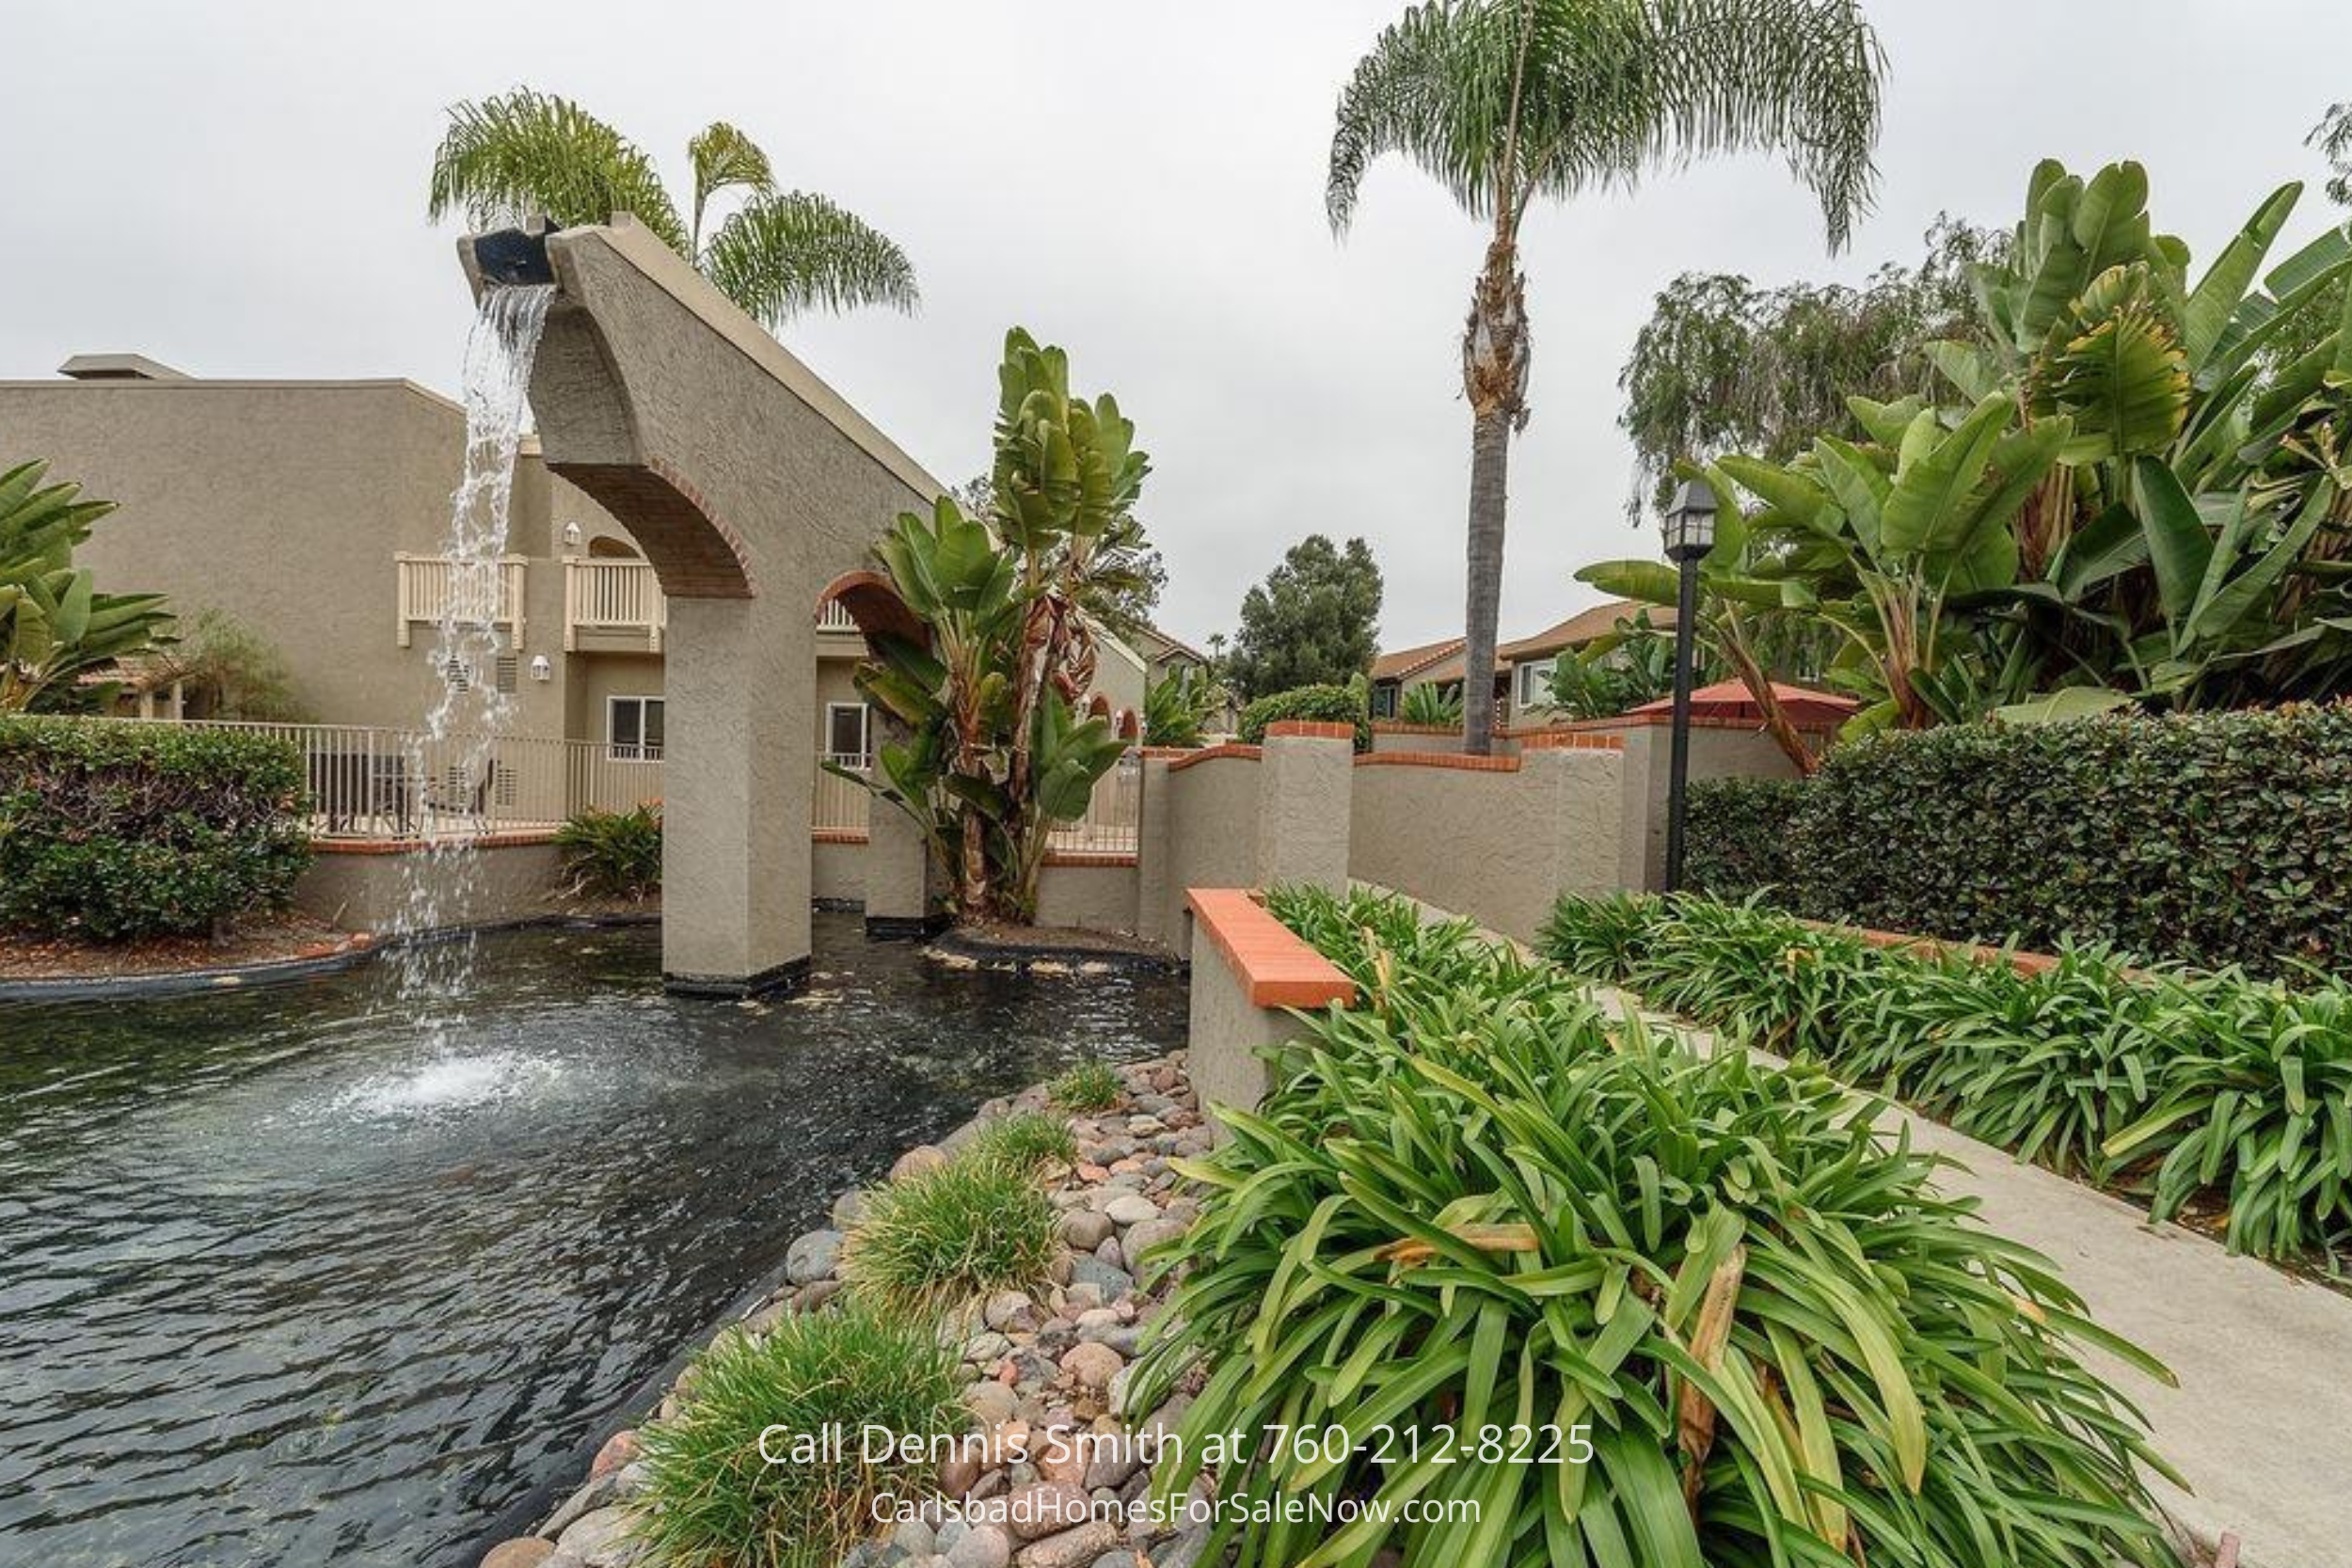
[1158, 911]
[1304, 793]
[736, 888]
[901, 886]
[1577, 795]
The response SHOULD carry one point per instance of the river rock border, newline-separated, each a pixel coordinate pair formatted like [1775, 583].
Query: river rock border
[1039, 1364]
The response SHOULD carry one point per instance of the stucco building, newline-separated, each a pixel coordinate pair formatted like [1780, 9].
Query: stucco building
[313, 513]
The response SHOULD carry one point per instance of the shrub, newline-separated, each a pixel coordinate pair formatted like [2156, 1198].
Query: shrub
[118, 831]
[2211, 838]
[710, 1495]
[1328, 705]
[1716, 1317]
[613, 854]
[934, 1241]
[1737, 839]
[1026, 1142]
[1432, 705]
[2171, 1085]
[1087, 1087]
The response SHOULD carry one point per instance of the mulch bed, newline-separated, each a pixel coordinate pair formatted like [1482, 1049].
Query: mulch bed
[261, 941]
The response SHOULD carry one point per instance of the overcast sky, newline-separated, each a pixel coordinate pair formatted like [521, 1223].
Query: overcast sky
[238, 190]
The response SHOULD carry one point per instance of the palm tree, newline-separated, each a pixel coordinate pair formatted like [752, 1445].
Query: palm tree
[777, 254]
[1505, 101]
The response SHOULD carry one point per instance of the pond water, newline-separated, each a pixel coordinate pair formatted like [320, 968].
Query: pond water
[286, 1278]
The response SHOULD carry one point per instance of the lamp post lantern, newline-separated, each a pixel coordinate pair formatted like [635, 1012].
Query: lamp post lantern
[1689, 528]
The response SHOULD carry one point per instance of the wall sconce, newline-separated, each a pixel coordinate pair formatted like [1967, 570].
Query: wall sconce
[571, 536]
[540, 669]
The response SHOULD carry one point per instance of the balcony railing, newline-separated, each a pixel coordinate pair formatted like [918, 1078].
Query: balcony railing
[841, 809]
[434, 587]
[619, 596]
[832, 615]
[1114, 820]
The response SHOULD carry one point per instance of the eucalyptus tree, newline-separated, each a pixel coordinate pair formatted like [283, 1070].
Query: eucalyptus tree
[775, 253]
[1503, 102]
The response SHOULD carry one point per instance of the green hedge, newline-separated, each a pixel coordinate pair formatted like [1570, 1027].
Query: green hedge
[2211, 838]
[1737, 838]
[1327, 704]
[117, 831]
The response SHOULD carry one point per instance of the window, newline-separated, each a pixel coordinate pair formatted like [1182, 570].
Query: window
[1535, 684]
[845, 733]
[1384, 701]
[633, 728]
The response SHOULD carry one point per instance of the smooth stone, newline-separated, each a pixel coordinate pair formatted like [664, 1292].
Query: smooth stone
[1083, 1230]
[597, 1536]
[1045, 1508]
[914, 1538]
[1010, 1309]
[849, 1208]
[1072, 1548]
[951, 1529]
[1112, 1253]
[916, 1161]
[981, 1546]
[992, 1402]
[618, 1450]
[1094, 1364]
[1138, 1244]
[818, 1293]
[526, 1551]
[1112, 1282]
[813, 1256]
[595, 1493]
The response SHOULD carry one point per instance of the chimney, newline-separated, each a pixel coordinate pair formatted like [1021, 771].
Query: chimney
[118, 366]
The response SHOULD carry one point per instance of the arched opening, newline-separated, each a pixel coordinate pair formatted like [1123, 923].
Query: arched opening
[1097, 707]
[606, 548]
[1129, 730]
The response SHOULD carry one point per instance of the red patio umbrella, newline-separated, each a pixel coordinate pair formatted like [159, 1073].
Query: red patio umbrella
[1732, 700]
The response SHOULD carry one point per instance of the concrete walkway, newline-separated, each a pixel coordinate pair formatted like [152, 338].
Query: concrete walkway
[2260, 1424]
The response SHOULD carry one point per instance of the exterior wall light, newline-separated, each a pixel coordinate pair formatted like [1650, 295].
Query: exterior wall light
[540, 669]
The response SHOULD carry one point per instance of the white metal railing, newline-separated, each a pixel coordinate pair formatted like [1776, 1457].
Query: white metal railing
[1112, 824]
[434, 587]
[1114, 820]
[840, 807]
[367, 782]
[832, 615]
[614, 596]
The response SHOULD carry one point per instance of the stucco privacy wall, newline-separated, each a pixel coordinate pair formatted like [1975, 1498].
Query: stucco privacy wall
[1495, 838]
[367, 890]
[1718, 750]
[751, 487]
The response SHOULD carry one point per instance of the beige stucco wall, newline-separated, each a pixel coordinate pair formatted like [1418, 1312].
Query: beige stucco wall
[1500, 847]
[367, 893]
[1090, 898]
[1200, 830]
[1227, 1032]
[837, 872]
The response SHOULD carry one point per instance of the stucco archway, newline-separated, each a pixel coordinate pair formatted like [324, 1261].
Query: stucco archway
[750, 486]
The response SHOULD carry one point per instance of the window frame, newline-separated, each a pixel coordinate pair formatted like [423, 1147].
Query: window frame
[865, 712]
[638, 749]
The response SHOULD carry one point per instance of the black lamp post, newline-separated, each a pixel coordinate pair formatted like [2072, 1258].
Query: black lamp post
[1688, 527]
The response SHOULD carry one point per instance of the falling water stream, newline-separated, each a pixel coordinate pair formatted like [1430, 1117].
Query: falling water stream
[454, 760]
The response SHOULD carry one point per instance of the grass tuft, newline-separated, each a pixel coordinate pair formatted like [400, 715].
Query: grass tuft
[1027, 1141]
[710, 1495]
[934, 1241]
[1088, 1087]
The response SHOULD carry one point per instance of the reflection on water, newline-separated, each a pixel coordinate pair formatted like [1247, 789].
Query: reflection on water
[284, 1281]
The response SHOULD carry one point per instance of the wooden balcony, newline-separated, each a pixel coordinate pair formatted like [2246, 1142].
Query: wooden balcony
[618, 604]
[435, 587]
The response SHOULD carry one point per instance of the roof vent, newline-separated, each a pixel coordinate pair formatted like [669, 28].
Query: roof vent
[118, 366]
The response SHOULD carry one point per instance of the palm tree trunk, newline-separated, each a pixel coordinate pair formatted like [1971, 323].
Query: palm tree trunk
[1495, 351]
[1490, 461]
